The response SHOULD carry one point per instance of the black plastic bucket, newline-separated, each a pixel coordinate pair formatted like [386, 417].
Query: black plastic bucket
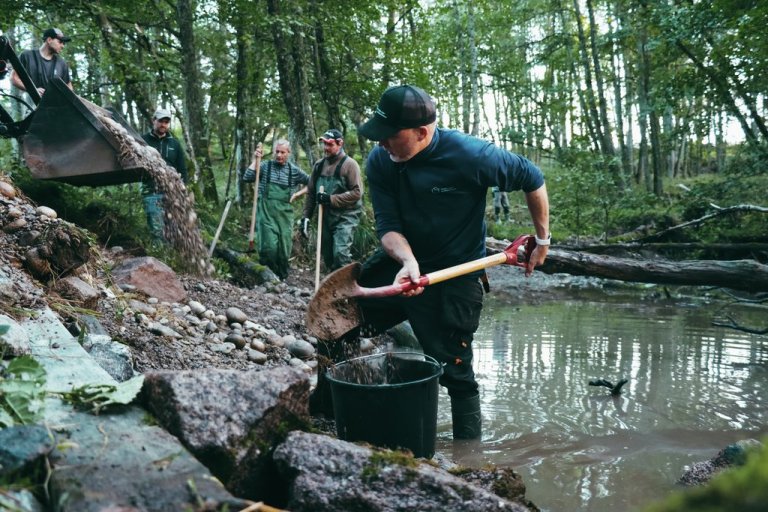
[387, 399]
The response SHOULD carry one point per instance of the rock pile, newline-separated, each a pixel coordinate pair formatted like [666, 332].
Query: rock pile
[181, 228]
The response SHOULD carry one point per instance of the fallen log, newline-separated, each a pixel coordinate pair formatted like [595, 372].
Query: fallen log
[747, 275]
[244, 271]
[736, 248]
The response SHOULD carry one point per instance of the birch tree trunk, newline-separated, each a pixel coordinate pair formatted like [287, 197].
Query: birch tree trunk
[643, 85]
[606, 131]
[589, 93]
[473, 72]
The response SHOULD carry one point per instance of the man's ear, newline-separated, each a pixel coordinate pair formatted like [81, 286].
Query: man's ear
[423, 132]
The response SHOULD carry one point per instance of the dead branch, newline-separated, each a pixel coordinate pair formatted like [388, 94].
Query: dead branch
[733, 324]
[695, 222]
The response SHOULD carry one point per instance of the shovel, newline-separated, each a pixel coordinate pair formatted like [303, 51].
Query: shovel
[333, 310]
[318, 250]
[255, 201]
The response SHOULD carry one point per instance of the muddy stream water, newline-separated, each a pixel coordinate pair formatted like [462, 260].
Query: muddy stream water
[693, 389]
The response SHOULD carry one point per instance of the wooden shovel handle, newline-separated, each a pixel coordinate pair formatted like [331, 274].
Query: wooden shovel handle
[510, 256]
[255, 200]
[319, 240]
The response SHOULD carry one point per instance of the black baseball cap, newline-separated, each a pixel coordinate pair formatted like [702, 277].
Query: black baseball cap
[402, 106]
[332, 134]
[56, 34]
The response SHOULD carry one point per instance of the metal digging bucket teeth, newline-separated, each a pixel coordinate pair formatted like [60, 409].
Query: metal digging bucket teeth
[67, 142]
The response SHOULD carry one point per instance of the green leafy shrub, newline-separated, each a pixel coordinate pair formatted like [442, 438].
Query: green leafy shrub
[22, 392]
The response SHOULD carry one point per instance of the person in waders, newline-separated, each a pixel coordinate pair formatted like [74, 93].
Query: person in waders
[274, 213]
[169, 147]
[342, 199]
[429, 188]
[500, 201]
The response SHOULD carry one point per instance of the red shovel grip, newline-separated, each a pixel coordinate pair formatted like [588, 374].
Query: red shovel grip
[528, 243]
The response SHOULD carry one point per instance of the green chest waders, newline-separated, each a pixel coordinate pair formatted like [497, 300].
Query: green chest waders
[274, 227]
[338, 224]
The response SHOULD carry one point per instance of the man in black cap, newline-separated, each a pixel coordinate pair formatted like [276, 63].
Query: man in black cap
[428, 187]
[169, 147]
[342, 198]
[44, 64]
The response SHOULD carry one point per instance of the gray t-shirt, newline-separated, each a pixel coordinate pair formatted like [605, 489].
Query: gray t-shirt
[42, 71]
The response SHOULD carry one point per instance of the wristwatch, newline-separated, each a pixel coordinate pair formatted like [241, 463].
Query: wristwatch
[543, 241]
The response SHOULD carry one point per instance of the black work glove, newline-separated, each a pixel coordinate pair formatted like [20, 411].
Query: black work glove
[323, 198]
[305, 227]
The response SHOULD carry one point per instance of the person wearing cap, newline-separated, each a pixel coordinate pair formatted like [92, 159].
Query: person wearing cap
[45, 63]
[429, 187]
[169, 147]
[277, 180]
[342, 199]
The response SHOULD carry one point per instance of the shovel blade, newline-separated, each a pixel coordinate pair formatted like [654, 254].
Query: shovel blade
[333, 309]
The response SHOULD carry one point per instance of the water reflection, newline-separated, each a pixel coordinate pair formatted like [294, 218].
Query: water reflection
[692, 390]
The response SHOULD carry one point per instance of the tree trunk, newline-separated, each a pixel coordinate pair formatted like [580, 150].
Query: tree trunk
[747, 275]
[239, 158]
[193, 98]
[293, 84]
[589, 93]
[329, 87]
[473, 72]
[643, 91]
[609, 151]
[656, 158]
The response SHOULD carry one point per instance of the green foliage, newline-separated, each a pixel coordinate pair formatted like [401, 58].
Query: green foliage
[95, 397]
[22, 392]
[583, 193]
[744, 488]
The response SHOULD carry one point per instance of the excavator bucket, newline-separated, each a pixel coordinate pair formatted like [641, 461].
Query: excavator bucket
[67, 141]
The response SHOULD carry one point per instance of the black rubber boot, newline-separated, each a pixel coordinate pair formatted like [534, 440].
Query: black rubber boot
[467, 420]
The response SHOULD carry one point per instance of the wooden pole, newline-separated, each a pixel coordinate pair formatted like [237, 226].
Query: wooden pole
[255, 200]
[319, 241]
[218, 230]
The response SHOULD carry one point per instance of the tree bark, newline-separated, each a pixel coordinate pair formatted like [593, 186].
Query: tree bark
[747, 275]
[239, 157]
[609, 151]
[473, 71]
[290, 54]
[589, 92]
[193, 98]
[329, 88]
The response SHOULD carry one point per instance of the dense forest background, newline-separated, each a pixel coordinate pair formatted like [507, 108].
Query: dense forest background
[645, 112]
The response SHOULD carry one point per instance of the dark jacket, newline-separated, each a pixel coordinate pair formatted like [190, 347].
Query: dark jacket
[436, 200]
[171, 151]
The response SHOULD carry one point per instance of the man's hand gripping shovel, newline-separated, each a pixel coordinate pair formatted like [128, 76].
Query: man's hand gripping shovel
[333, 310]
